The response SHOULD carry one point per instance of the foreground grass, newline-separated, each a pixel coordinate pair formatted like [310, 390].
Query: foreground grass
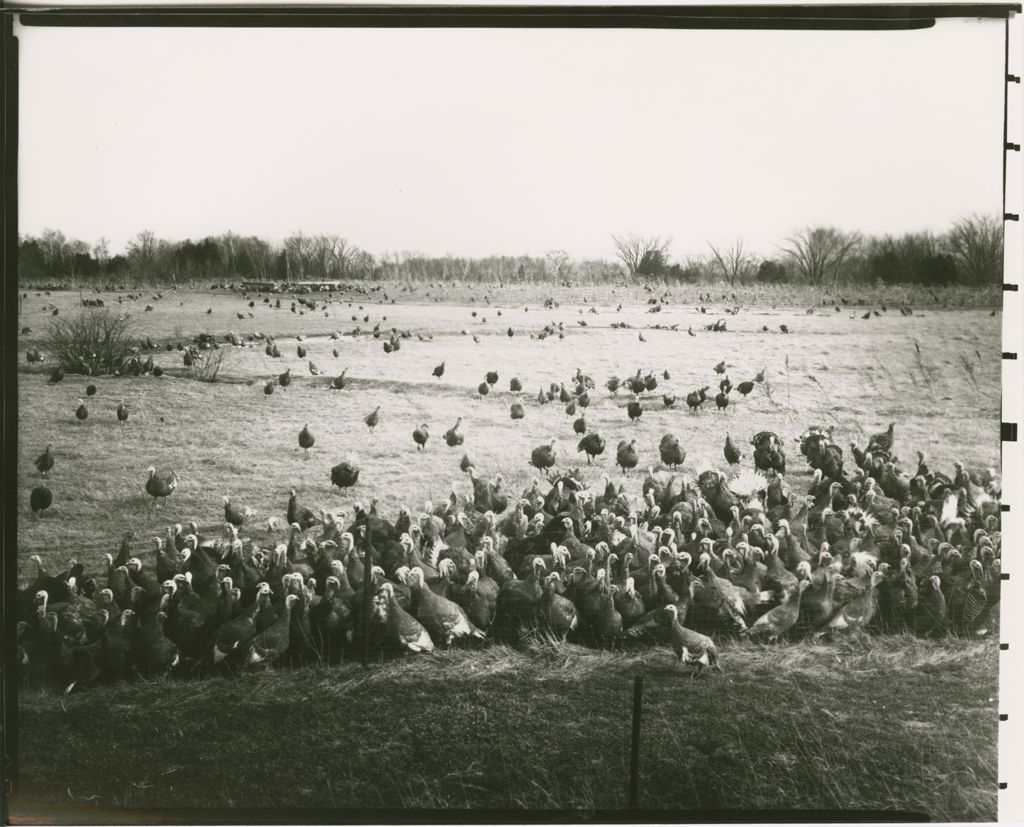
[887, 724]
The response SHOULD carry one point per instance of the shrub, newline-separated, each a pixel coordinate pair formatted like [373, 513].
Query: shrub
[206, 365]
[94, 341]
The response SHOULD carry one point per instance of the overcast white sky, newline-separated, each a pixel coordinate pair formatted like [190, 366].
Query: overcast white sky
[507, 141]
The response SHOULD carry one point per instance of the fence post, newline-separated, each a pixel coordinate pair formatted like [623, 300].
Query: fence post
[634, 756]
[367, 590]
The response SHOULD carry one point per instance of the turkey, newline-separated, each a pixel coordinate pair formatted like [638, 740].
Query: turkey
[769, 454]
[372, 418]
[81, 412]
[122, 413]
[732, 454]
[672, 453]
[306, 440]
[299, 514]
[160, 484]
[516, 412]
[344, 475]
[593, 444]
[692, 648]
[234, 515]
[452, 437]
[40, 499]
[439, 371]
[443, 619]
[626, 456]
[420, 437]
[44, 462]
[634, 409]
[543, 456]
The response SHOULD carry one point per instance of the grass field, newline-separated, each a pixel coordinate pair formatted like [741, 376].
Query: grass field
[894, 723]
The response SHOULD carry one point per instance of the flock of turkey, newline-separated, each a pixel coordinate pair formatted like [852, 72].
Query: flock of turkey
[872, 545]
[693, 560]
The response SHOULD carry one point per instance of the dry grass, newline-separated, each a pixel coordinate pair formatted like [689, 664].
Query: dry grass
[892, 724]
[878, 725]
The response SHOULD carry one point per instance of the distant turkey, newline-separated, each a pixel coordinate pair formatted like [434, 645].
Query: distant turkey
[672, 453]
[306, 440]
[344, 475]
[40, 499]
[44, 462]
[160, 484]
[543, 456]
[452, 437]
[82, 412]
[372, 418]
[122, 412]
[593, 444]
[420, 437]
[626, 456]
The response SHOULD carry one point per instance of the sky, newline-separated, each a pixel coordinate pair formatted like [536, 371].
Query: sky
[481, 142]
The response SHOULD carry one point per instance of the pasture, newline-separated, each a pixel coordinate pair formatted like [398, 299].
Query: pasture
[898, 724]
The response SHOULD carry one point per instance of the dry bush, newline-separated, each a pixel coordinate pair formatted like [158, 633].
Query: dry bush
[95, 340]
[207, 366]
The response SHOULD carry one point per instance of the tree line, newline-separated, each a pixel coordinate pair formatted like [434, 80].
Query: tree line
[969, 253]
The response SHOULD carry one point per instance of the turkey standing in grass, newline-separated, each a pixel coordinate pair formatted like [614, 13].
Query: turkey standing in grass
[692, 648]
[722, 400]
[306, 439]
[443, 619]
[82, 412]
[745, 387]
[625, 455]
[90, 390]
[372, 418]
[452, 437]
[40, 499]
[580, 426]
[420, 437]
[268, 388]
[313, 369]
[613, 384]
[465, 463]
[285, 379]
[593, 444]
[732, 454]
[273, 641]
[776, 622]
[492, 377]
[44, 462]
[634, 409]
[882, 441]
[515, 385]
[401, 629]
[516, 411]
[672, 453]
[543, 456]
[483, 388]
[338, 382]
[439, 370]
[299, 514]
[160, 484]
[56, 375]
[235, 515]
[122, 412]
[344, 475]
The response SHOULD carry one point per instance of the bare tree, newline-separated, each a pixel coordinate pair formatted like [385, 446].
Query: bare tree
[299, 255]
[229, 245]
[333, 253]
[142, 250]
[101, 252]
[818, 252]
[557, 263]
[735, 261]
[53, 244]
[976, 243]
[259, 255]
[632, 249]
